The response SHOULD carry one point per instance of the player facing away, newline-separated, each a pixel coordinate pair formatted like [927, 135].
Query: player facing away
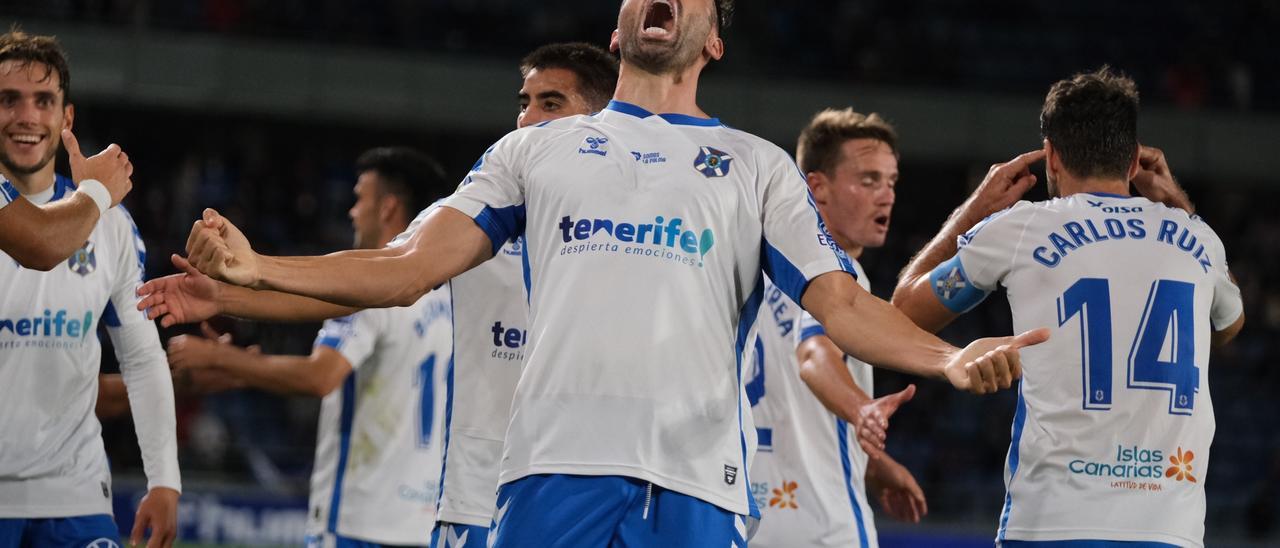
[810, 401]
[35, 111]
[55, 486]
[645, 238]
[490, 311]
[381, 373]
[1114, 418]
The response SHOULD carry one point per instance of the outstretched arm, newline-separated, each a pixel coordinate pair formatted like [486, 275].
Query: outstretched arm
[314, 375]
[448, 243]
[875, 332]
[192, 297]
[823, 370]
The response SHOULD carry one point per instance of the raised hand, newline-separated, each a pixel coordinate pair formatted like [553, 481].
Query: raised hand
[873, 423]
[1003, 186]
[111, 167]
[218, 249]
[991, 364]
[158, 512]
[1155, 181]
[188, 297]
[899, 494]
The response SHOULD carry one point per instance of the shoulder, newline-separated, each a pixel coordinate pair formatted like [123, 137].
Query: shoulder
[1016, 216]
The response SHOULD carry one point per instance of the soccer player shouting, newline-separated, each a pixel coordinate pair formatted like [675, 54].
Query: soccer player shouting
[646, 230]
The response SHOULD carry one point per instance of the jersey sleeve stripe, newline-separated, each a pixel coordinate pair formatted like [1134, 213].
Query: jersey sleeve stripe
[810, 331]
[7, 192]
[501, 224]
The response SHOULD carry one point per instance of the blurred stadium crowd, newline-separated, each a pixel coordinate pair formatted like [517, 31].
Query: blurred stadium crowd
[288, 184]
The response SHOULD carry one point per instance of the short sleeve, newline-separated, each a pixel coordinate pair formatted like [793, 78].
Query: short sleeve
[414, 225]
[809, 328]
[984, 256]
[354, 336]
[7, 193]
[493, 192]
[1227, 304]
[796, 247]
[130, 262]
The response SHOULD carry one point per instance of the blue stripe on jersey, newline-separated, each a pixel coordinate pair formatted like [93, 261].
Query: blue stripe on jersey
[109, 316]
[1109, 195]
[811, 331]
[784, 274]
[746, 319]
[953, 288]
[1019, 420]
[344, 447]
[502, 224]
[1084, 543]
[524, 268]
[846, 263]
[10, 193]
[448, 404]
[138, 245]
[846, 463]
[61, 185]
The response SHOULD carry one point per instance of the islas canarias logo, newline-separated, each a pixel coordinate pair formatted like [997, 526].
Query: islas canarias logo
[668, 238]
[784, 496]
[1180, 466]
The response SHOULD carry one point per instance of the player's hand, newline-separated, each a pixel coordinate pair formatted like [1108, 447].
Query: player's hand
[111, 167]
[192, 352]
[873, 419]
[218, 249]
[159, 513]
[1004, 186]
[991, 364]
[188, 297]
[199, 382]
[1155, 180]
[900, 496]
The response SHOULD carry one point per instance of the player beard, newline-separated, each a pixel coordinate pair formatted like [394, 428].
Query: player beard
[14, 168]
[661, 57]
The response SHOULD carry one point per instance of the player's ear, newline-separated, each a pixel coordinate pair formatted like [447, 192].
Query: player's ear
[818, 186]
[388, 208]
[613, 41]
[1135, 165]
[68, 115]
[1052, 163]
[714, 49]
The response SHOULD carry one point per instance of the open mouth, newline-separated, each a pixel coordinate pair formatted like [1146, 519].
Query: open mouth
[25, 139]
[659, 19]
[882, 221]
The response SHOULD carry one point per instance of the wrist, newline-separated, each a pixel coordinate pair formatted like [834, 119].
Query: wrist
[97, 192]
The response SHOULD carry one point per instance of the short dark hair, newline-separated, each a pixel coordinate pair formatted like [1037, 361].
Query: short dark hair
[724, 14]
[822, 141]
[411, 176]
[1091, 119]
[595, 67]
[29, 48]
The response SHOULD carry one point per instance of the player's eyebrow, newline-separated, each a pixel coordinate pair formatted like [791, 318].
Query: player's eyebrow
[552, 94]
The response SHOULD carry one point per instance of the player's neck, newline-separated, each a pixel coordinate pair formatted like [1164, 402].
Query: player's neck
[1094, 185]
[660, 93]
[31, 183]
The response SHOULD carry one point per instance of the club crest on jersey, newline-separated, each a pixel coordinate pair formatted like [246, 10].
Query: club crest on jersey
[83, 261]
[712, 163]
[595, 144]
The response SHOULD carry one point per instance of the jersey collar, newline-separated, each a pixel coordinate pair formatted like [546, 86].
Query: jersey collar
[1108, 195]
[676, 119]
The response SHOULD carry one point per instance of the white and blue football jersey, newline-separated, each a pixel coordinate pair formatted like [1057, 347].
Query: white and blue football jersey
[7, 192]
[645, 237]
[809, 475]
[1114, 419]
[380, 436]
[52, 461]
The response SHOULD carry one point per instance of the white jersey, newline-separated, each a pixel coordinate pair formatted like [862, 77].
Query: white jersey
[52, 461]
[1114, 420]
[380, 435]
[645, 236]
[803, 446]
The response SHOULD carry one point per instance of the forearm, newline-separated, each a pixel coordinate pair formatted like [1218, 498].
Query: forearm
[276, 306]
[447, 244]
[874, 331]
[41, 237]
[824, 371]
[940, 248]
[287, 375]
[113, 397]
[145, 372]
